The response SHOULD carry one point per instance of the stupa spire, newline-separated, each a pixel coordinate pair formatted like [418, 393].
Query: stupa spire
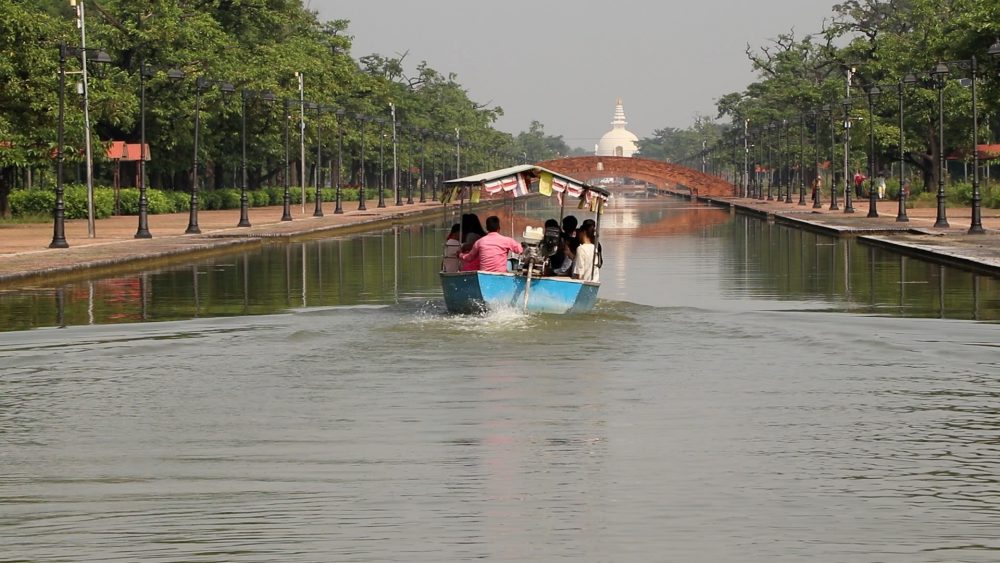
[619, 118]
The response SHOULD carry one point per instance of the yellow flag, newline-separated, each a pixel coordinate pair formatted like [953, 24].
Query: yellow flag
[475, 194]
[545, 184]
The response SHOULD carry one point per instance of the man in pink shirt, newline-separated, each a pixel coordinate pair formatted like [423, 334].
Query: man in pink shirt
[492, 249]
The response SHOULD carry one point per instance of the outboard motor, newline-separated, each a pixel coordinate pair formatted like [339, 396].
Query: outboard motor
[538, 246]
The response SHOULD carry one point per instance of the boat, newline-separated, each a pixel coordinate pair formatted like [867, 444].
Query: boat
[524, 286]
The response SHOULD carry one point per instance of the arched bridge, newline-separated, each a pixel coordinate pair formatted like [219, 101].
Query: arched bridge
[662, 174]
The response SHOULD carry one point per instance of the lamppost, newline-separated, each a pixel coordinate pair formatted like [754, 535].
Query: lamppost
[458, 153]
[746, 158]
[423, 172]
[802, 158]
[244, 201]
[828, 110]
[772, 129]
[361, 187]
[146, 72]
[872, 92]
[201, 84]
[395, 166]
[848, 205]
[787, 164]
[286, 199]
[818, 196]
[339, 209]
[381, 168]
[940, 76]
[901, 217]
[318, 211]
[59, 215]
[409, 169]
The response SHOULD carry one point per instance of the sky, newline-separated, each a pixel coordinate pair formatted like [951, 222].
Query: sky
[565, 62]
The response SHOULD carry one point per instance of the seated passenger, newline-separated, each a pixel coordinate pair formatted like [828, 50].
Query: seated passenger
[588, 262]
[568, 247]
[491, 250]
[451, 263]
[472, 230]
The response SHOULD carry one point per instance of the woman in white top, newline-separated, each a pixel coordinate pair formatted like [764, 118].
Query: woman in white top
[587, 265]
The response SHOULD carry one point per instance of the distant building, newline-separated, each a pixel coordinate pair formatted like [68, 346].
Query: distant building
[619, 141]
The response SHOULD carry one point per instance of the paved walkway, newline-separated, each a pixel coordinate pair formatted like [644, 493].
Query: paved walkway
[24, 252]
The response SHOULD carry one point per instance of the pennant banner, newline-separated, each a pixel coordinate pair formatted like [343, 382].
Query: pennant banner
[545, 184]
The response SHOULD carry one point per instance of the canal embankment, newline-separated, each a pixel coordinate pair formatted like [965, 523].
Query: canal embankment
[25, 257]
[917, 236]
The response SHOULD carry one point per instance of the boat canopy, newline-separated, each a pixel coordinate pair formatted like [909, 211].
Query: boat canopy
[515, 180]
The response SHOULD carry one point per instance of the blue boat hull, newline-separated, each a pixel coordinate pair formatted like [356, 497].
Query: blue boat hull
[475, 292]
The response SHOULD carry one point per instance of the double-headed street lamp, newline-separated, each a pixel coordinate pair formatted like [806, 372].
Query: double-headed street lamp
[59, 213]
[940, 77]
[146, 72]
[286, 198]
[381, 167]
[848, 202]
[901, 217]
[339, 198]
[872, 92]
[201, 84]
[827, 109]
[361, 187]
[318, 210]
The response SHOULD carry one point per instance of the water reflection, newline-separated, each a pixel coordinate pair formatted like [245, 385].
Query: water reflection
[743, 260]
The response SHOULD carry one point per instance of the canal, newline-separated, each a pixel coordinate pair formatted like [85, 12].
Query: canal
[743, 391]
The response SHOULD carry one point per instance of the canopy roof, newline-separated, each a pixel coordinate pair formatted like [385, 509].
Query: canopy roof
[527, 170]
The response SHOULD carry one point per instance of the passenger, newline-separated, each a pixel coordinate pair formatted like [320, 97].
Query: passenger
[556, 260]
[588, 262]
[452, 245]
[472, 230]
[491, 251]
[568, 247]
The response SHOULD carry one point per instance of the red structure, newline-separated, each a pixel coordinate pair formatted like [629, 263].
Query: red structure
[118, 152]
[658, 172]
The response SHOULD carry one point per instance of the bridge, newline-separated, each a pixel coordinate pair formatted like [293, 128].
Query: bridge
[657, 172]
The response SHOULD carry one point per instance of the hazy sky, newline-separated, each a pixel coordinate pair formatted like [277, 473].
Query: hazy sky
[565, 62]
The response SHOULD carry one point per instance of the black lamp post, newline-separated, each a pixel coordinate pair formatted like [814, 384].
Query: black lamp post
[901, 217]
[818, 197]
[143, 229]
[940, 76]
[770, 162]
[423, 173]
[802, 159]
[787, 163]
[848, 201]
[286, 198]
[409, 170]
[828, 109]
[244, 201]
[976, 227]
[59, 215]
[361, 187]
[873, 92]
[338, 206]
[318, 211]
[201, 84]
[381, 167]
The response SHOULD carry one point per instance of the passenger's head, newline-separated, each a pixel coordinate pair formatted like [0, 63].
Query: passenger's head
[587, 230]
[456, 229]
[569, 223]
[492, 224]
[471, 224]
[551, 223]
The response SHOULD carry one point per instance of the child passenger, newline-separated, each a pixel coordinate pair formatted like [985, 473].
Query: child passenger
[588, 261]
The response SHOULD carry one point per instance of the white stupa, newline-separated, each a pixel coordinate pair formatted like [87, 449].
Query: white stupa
[619, 141]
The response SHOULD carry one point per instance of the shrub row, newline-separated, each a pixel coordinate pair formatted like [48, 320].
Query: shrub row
[40, 202]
